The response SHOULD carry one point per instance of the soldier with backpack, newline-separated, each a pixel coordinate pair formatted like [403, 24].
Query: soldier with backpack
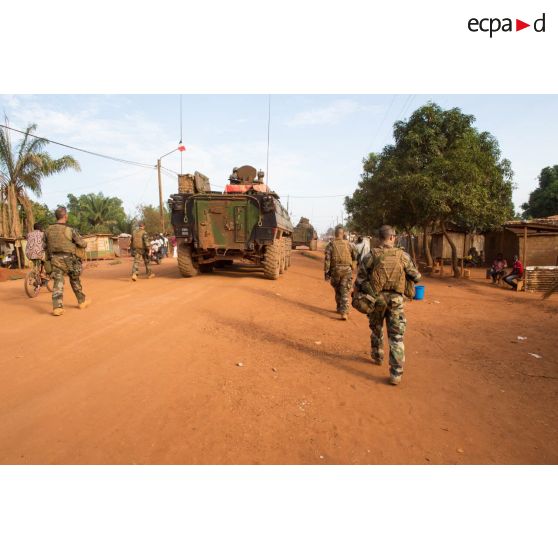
[141, 250]
[382, 276]
[338, 269]
[65, 249]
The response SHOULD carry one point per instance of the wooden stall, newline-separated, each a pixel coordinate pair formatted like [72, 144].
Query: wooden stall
[100, 246]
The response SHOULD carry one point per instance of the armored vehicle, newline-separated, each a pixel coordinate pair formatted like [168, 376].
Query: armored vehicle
[305, 234]
[246, 222]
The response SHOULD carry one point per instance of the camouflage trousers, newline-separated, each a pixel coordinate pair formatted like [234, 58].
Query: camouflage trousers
[342, 281]
[140, 255]
[389, 307]
[70, 266]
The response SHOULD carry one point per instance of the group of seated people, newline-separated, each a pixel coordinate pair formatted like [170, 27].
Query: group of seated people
[9, 260]
[498, 271]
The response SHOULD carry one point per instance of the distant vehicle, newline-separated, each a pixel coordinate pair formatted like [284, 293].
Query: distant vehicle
[305, 234]
[246, 222]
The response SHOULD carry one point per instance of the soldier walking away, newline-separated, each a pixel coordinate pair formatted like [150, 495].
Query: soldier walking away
[65, 249]
[383, 273]
[338, 269]
[141, 251]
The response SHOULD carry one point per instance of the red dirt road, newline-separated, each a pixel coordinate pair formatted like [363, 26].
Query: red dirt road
[148, 374]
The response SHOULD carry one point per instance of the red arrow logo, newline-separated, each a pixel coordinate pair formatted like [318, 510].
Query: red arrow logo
[519, 25]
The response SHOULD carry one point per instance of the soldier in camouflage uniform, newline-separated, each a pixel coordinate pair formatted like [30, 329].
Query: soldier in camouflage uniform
[338, 269]
[382, 274]
[65, 247]
[141, 250]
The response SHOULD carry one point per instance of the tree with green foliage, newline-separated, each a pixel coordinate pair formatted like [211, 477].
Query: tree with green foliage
[150, 215]
[42, 214]
[543, 201]
[91, 213]
[22, 168]
[440, 170]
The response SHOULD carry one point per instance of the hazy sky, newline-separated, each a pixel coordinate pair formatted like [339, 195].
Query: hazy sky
[317, 142]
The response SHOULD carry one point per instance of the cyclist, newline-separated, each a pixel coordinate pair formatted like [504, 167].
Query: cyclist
[35, 250]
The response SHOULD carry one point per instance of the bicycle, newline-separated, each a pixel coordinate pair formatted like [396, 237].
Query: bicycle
[36, 279]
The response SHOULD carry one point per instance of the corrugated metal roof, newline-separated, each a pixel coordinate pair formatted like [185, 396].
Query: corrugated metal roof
[546, 223]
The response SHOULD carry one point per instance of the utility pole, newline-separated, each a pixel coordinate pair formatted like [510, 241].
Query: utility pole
[161, 212]
[180, 148]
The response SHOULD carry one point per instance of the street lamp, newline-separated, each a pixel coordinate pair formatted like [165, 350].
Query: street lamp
[161, 212]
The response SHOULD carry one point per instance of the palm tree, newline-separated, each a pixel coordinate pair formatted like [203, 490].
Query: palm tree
[96, 211]
[21, 172]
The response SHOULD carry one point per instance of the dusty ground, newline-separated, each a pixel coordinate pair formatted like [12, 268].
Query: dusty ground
[148, 374]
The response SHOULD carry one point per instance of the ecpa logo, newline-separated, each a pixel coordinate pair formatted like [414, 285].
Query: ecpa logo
[494, 24]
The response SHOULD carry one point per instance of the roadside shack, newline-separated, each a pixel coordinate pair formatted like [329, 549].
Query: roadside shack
[100, 246]
[122, 244]
[535, 241]
[12, 252]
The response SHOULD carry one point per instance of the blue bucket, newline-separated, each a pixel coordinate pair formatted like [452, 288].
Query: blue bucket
[419, 292]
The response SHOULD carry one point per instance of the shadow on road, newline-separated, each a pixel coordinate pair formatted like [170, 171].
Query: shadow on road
[336, 360]
[297, 303]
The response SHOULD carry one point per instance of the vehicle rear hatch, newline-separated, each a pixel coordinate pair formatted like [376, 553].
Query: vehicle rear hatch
[224, 221]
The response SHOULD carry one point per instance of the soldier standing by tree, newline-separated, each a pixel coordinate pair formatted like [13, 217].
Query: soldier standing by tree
[338, 269]
[382, 274]
[63, 244]
[141, 250]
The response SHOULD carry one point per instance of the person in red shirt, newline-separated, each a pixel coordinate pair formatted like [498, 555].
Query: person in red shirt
[516, 273]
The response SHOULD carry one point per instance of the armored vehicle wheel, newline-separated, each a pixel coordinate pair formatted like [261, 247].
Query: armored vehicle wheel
[272, 262]
[289, 247]
[186, 265]
[313, 245]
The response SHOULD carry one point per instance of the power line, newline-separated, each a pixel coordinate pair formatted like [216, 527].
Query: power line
[383, 119]
[406, 105]
[81, 188]
[109, 157]
[169, 170]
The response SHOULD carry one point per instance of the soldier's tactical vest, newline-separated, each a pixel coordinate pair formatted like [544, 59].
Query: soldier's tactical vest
[341, 253]
[59, 239]
[137, 239]
[388, 273]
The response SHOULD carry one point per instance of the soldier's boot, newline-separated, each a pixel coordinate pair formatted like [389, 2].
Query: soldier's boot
[151, 275]
[377, 358]
[344, 316]
[395, 379]
[134, 276]
[84, 304]
[58, 312]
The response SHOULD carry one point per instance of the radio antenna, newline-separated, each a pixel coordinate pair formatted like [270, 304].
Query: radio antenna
[180, 142]
[268, 128]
